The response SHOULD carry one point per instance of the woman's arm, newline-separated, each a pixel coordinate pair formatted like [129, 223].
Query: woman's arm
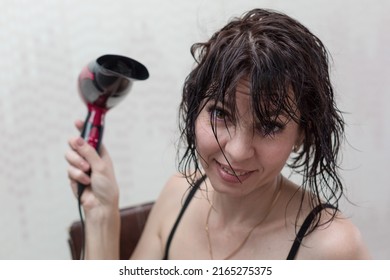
[161, 219]
[99, 199]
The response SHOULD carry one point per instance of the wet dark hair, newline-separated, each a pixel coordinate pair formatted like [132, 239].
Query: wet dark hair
[285, 64]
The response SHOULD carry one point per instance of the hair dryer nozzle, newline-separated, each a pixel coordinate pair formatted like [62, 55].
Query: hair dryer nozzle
[121, 65]
[105, 82]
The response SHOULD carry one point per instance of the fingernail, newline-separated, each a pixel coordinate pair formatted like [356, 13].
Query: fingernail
[80, 142]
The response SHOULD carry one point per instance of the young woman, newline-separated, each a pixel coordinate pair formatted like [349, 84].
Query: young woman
[258, 99]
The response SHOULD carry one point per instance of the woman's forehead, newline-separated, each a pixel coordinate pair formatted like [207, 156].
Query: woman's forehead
[271, 104]
[243, 87]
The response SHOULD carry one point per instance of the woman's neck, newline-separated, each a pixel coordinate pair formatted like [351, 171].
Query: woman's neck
[247, 209]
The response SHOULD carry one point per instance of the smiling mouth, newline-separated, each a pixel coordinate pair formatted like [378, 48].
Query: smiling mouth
[233, 172]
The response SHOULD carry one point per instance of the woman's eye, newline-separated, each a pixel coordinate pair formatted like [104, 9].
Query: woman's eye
[270, 129]
[218, 114]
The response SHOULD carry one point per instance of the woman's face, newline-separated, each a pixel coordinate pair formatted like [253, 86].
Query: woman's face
[256, 151]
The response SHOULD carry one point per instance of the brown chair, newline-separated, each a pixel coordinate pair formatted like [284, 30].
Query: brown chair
[133, 220]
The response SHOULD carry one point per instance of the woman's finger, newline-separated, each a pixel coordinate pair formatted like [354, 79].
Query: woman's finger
[78, 175]
[73, 158]
[79, 124]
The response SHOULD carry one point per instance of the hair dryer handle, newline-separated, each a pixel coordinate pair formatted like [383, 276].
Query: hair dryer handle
[92, 133]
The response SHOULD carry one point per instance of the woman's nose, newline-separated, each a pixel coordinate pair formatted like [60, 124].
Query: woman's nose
[239, 145]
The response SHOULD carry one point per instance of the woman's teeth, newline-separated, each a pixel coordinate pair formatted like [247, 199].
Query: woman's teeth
[236, 173]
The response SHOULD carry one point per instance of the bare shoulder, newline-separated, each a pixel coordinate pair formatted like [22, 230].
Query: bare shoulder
[161, 218]
[338, 239]
[175, 187]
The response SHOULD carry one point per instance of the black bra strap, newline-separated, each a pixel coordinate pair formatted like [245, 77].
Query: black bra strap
[305, 226]
[183, 209]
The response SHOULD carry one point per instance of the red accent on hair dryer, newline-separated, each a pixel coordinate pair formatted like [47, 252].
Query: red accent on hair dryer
[102, 85]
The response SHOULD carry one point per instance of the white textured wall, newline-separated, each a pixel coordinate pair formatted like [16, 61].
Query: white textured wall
[44, 45]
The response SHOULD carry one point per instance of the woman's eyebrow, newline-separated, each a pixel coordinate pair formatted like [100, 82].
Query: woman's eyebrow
[277, 116]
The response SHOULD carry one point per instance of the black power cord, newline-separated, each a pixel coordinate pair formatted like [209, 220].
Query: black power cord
[82, 253]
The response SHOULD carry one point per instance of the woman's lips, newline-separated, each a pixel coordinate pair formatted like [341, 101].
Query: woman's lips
[236, 176]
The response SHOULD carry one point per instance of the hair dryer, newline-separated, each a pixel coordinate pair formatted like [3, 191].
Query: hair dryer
[103, 84]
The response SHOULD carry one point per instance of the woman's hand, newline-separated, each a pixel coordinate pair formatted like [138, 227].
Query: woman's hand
[96, 172]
